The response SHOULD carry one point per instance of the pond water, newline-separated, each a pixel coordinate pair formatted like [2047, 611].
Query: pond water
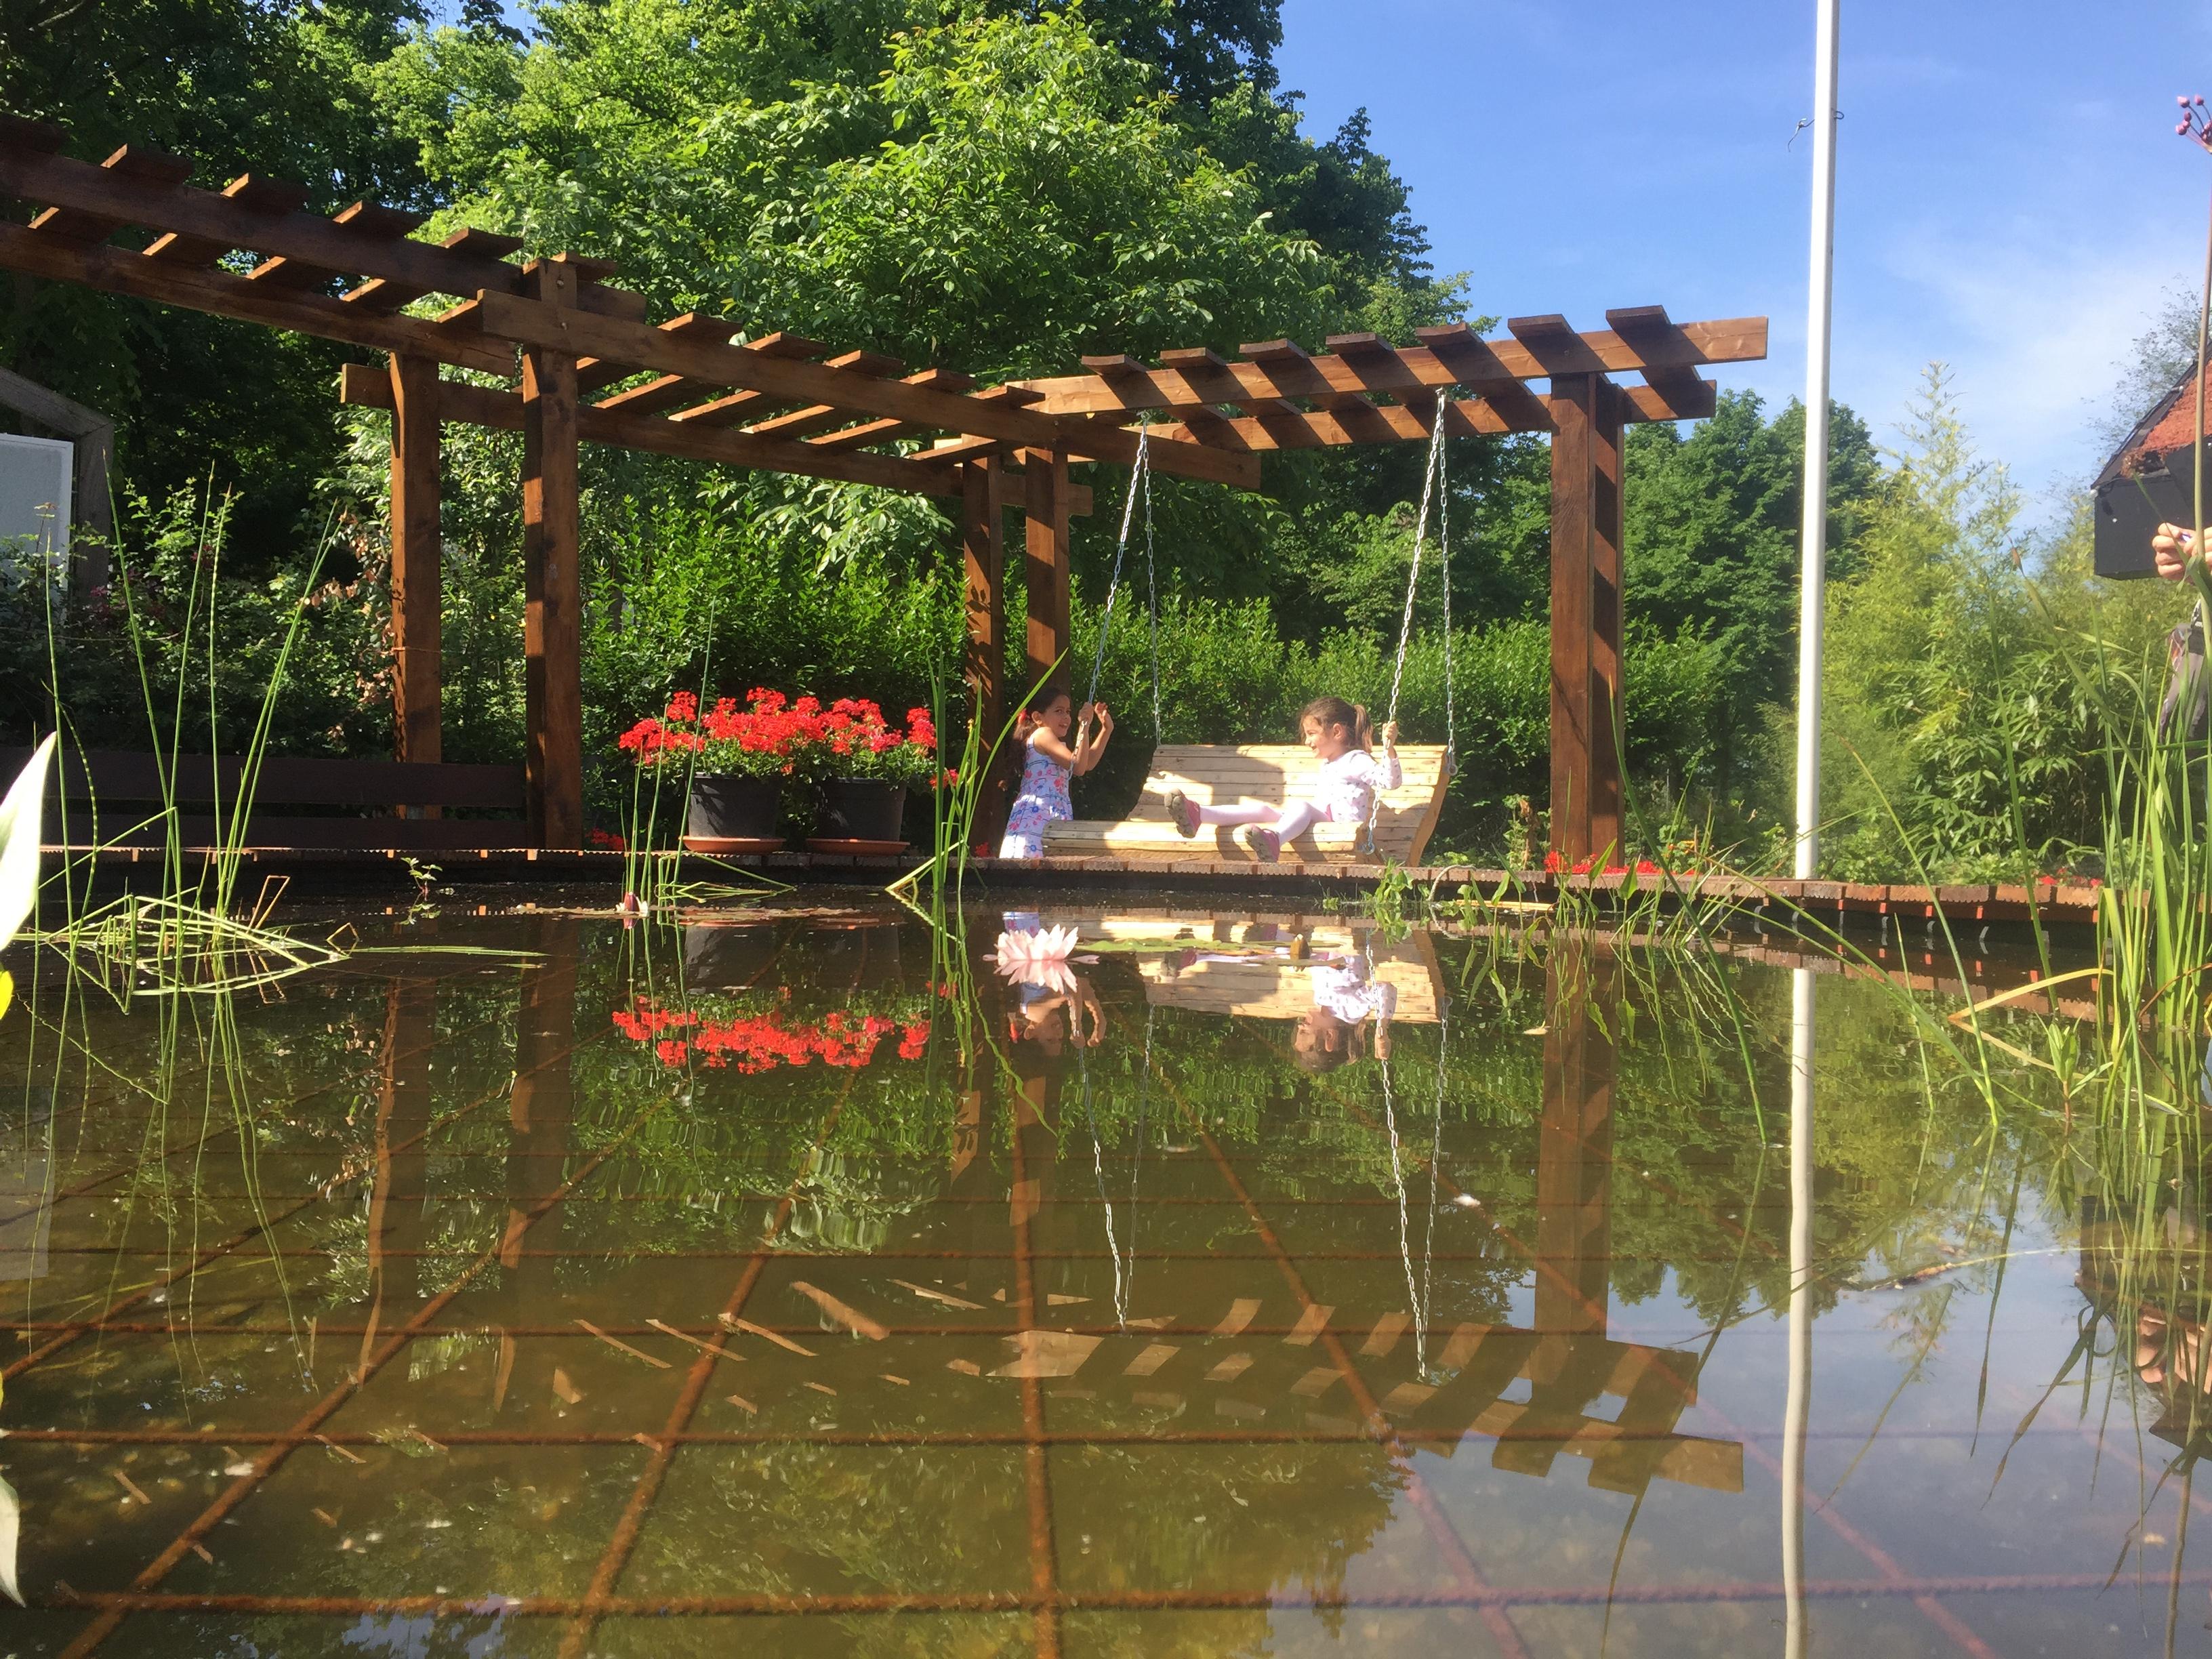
[752, 1286]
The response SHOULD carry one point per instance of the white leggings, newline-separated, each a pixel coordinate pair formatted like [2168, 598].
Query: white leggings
[1289, 822]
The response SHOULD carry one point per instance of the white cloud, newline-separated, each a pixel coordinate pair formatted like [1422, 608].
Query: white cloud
[2036, 319]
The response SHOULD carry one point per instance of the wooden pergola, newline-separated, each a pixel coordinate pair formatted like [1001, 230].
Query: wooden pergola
[585, 365]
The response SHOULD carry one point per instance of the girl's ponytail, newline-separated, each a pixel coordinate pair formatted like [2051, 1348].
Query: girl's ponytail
[1362, 729]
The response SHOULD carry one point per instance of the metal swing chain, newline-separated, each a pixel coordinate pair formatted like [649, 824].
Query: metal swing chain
[1432, 494]
[1443, 574]
[1128, 1281]
[1436, 1148]
[1098, 1170]
[1430, 475]
[1405, 1240]
[1152, 578]
[1140, 477]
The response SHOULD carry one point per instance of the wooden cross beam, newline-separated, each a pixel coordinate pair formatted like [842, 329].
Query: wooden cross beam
[1000, 417]
[367, 387]
[489, 406]
[225, 294]
[300, 256]
[1641, 342]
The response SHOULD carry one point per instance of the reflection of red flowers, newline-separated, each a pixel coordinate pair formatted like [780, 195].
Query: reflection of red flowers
[607, 839]
[761, 1042]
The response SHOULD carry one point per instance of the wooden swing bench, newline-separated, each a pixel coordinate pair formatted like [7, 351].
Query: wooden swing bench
[1214, 773]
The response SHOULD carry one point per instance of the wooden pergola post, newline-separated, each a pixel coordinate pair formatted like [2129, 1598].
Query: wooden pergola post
[1586, 532]
[1045, 561]
[417, 560]
[552, 632]
[983, 544]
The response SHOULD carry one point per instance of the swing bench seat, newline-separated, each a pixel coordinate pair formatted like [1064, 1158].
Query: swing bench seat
[1214, 773]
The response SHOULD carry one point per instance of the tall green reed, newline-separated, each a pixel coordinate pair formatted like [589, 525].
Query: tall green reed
[190, 935]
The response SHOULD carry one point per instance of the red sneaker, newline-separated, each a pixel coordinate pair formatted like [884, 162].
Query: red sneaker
[1267, 845]
[1182, 813]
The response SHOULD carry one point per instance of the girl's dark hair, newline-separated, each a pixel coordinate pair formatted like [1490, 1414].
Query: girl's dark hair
[1032, 713]
[1321, 1059]
[1335, 711]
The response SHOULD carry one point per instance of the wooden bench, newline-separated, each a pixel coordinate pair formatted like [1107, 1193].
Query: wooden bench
[363, 803]
[1219, 774]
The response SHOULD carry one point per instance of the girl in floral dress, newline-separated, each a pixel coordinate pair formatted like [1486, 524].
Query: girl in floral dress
[1049, 763]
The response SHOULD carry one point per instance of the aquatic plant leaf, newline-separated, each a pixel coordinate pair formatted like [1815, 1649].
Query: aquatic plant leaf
[11, 1520]
[20, 814]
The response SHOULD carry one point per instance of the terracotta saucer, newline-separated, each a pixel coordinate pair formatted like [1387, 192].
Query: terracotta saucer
[866, 849]
[732, 846]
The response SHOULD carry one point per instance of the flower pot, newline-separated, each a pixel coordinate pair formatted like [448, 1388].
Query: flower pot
[726, 809]
[861, 809]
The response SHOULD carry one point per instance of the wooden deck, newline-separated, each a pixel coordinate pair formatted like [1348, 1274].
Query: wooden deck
[1227, 878]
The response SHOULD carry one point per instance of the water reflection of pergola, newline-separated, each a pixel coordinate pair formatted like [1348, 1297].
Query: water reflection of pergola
[1390, 1370]
[593, 370]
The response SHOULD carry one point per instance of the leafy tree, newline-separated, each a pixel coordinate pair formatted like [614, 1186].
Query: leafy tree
[1956, 726]
[1205, 50]
[1712, 533]
[264, 86]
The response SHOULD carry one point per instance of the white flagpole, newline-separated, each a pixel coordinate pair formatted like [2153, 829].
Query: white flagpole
[1813, 540]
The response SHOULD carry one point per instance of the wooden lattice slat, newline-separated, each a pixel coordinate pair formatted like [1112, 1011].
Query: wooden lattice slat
[1652, 331]
[818, 418]
[1186, 380]
[134, 162]
[225, 294]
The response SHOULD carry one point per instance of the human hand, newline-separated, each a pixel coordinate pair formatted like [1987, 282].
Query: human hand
[1389, 734]
[2170, 550]
[1105, 719]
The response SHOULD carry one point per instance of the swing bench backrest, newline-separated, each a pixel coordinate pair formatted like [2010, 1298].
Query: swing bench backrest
[1213, 774]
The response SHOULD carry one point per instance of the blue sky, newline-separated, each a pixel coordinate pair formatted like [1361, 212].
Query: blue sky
[2011, 198]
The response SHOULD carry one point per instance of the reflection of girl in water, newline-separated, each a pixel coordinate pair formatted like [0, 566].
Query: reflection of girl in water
[1345, 996]
[1049, 996]
[1048, 1015]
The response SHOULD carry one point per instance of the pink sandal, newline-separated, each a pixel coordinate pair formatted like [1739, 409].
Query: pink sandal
[1182, 813]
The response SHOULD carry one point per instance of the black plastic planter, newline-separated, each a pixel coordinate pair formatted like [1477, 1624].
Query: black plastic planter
[867, 811]
[734, 809]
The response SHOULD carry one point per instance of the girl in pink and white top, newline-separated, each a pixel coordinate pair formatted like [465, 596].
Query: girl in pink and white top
[1340, 736]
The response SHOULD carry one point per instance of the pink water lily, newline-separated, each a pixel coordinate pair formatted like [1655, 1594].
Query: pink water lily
[1038, 958]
